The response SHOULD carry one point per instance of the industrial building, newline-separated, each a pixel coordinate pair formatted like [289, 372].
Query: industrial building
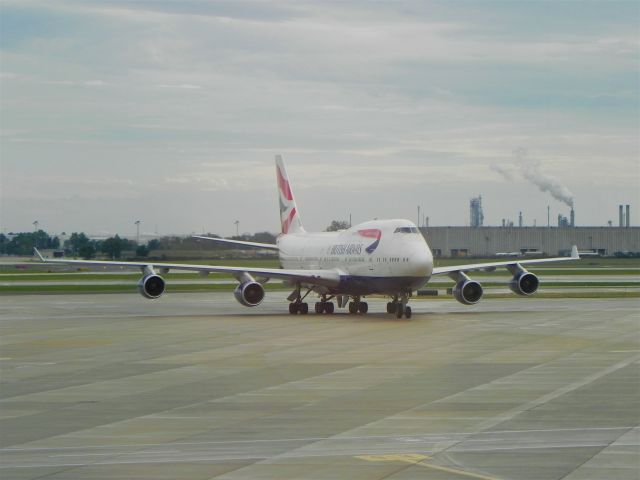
[475, 209]
[494, 241]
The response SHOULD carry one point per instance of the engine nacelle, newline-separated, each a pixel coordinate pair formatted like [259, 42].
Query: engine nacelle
[467, 292]
[524, 283]
[151, 286]
[249, 294]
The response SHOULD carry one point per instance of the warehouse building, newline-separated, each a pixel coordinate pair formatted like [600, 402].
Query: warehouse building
[499, 241]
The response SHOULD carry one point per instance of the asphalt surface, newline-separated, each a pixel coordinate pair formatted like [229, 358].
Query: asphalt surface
[195, 386]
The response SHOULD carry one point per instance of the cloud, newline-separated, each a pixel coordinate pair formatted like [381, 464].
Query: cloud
[198, 96]
[183, 86]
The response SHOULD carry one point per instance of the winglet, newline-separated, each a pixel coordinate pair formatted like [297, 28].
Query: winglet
[574, 253]
[39, 254]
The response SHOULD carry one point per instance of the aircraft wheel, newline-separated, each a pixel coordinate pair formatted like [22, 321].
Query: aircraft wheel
[320, 307]
[363, 307]
[391, 308]
[293, 308]
[399, 311]
[407, 311]
[303, 308]
[328, 307]
[353, 307]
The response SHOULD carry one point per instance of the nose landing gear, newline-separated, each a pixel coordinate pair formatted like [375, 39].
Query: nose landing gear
[399, 306]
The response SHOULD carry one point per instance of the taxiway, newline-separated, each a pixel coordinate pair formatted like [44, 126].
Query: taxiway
[195, 386]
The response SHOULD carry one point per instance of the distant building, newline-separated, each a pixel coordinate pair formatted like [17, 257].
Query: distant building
[563, 221]
[489, 241]
[475, 208]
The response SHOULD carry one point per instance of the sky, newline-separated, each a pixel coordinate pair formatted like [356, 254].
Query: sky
[171, 112]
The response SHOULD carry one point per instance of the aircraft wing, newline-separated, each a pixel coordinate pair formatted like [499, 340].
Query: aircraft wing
[493, 265]
[327, 278]
[241, 243]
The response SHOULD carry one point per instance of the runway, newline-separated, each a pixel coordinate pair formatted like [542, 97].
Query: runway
[195, 386]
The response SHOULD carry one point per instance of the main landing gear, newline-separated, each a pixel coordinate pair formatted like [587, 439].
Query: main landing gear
[399, 307]
[324, 307]
[358, 307]
[298, 306]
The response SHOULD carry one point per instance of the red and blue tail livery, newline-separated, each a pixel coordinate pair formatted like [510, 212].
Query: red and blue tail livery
[289, 218]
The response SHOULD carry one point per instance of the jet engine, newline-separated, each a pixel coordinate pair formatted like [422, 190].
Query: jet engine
[467, 291]
[151, 286]
[524, 283]
[249, 294]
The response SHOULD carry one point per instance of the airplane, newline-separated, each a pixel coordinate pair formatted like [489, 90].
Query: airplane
[376, 257]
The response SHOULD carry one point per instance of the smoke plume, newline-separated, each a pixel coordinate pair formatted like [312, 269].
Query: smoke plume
[506, 171]
[529, 169]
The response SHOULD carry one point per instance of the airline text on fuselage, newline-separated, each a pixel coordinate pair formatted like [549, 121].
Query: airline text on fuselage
[346, 249]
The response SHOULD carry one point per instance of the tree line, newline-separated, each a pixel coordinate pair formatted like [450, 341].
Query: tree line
[23, 243]
[79, 245]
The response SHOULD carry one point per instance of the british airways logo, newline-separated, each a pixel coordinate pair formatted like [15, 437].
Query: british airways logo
[356, 248]
[371, 233]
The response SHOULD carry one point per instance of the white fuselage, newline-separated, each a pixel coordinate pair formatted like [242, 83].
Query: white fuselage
[379, 256]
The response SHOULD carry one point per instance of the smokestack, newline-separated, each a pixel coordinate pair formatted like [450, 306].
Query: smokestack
[426, 222]
[548, 216]
[503, 223]
[628, 216]
[573, 218]
[520, 220]
[620, 216]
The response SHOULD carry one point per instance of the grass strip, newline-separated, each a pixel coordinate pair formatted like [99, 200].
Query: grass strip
[99, 289]
[124, 288]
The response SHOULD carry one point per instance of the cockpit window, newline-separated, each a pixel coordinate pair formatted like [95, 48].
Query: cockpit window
[407, 230]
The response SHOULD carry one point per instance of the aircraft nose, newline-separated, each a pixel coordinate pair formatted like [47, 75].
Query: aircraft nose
[422, 262]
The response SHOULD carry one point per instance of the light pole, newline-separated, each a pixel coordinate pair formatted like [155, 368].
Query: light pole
[35, 229]
[137, 224]
[237, 224]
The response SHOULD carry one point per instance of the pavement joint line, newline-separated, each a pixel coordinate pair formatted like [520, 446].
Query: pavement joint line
[434, 437]
[591, 457]
[557, 393]
[482, 427]
[419, 460]
[119, 459]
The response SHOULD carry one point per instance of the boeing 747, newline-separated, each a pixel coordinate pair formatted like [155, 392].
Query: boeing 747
[378, 257]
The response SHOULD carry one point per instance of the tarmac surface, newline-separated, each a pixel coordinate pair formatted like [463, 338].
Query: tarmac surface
[195, 386]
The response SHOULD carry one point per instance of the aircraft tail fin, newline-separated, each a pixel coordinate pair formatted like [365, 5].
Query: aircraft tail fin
[289, 215]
